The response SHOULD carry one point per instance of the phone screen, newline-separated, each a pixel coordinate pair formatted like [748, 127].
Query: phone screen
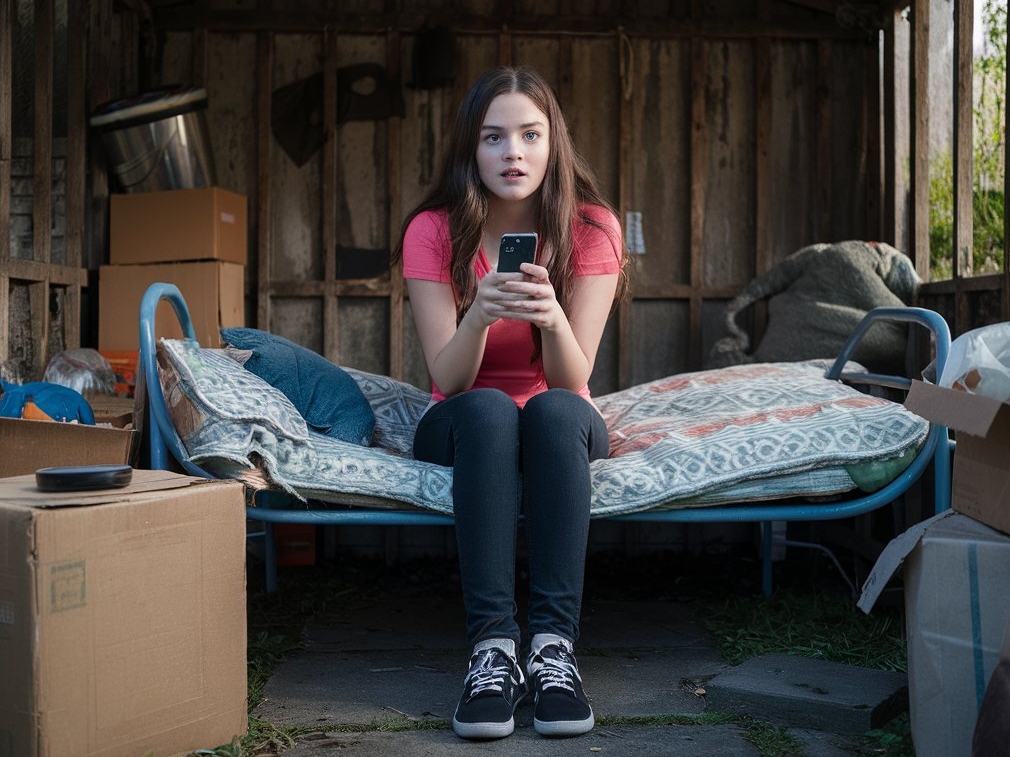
[515, 249]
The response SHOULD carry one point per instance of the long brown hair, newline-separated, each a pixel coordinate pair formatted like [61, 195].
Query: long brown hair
[568, 184]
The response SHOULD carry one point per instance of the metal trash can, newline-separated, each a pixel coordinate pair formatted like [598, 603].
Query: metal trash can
[158, 140]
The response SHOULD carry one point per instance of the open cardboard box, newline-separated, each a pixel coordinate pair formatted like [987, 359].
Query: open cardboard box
[956, 572]
[29, 445]
[981, 478]
[122, 618]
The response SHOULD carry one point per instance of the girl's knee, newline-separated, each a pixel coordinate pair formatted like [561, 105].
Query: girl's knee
[557, 406]
[490, 406]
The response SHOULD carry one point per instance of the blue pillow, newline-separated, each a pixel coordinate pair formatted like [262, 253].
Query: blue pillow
[325, 394]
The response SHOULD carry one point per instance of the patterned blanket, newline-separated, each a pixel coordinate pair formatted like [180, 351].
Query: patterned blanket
[743, 433]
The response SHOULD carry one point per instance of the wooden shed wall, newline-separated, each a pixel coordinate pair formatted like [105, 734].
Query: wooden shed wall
[741, 131]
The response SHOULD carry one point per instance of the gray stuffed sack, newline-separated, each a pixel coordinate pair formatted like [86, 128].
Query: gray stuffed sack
[818, 296]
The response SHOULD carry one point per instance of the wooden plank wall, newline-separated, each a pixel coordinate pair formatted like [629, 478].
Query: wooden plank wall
[40, 285]
[46, 200]
[740, 132]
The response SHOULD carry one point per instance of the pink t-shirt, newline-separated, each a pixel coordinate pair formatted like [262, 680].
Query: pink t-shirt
[506, 364]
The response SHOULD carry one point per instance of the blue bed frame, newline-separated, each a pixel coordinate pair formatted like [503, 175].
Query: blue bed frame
[273, 507]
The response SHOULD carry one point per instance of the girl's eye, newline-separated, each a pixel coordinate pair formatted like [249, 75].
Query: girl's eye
[530, 136]
[492, 138]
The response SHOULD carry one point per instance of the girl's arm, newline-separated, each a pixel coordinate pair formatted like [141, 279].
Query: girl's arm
[569, 344]
[569, 352]
[453, 354]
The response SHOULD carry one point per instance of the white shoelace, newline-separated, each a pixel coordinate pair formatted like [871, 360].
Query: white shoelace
[558, 674]
[485, 676]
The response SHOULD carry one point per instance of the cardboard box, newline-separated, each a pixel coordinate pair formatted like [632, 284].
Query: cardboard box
[30, 445]
[214, 292]
[957, 607]
[114, 411]
[180, 224]
[981, 478]
[122, 618]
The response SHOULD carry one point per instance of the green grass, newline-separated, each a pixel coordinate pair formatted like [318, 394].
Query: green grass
[824, 626]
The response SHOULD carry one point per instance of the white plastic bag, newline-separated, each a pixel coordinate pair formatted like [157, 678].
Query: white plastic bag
[979, 362]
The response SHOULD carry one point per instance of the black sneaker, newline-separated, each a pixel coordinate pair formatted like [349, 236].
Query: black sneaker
[560, 706]
[492, 689]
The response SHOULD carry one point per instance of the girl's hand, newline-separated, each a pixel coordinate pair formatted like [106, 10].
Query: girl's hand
[527, 296]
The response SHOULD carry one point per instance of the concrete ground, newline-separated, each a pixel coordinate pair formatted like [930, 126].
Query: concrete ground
[381, 669]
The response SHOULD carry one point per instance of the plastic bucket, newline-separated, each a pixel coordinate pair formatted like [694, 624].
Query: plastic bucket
[158, 140]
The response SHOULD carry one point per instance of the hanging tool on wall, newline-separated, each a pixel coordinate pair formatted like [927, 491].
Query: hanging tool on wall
[365, 92]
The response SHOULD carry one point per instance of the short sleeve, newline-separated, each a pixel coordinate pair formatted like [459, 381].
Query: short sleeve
[598, 251]
[426, 247]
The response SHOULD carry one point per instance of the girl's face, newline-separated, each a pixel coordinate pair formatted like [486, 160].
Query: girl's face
[514, 147]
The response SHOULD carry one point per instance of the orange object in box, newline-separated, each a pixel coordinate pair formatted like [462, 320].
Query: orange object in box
[296, 544]
[124, 366]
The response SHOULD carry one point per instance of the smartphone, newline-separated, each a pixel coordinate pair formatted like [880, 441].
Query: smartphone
[515, 249]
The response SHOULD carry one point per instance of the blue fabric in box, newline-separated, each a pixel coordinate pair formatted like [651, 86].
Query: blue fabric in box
[324, 393]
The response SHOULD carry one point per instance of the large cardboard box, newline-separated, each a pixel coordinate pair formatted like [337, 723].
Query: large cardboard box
[180, 224]
[957, 607]
[981, 478]
[214, 292]
[122, 618]
[29, 445]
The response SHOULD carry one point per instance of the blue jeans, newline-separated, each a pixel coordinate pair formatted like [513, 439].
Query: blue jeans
[508, 460]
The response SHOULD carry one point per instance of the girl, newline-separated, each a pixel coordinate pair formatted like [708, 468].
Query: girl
[509, 356]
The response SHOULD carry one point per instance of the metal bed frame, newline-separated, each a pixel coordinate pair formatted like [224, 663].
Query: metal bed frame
[272, 506]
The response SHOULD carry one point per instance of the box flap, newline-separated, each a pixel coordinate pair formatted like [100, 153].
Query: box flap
[891, 558]
[21, 491]
[971, 413]
[29, 445]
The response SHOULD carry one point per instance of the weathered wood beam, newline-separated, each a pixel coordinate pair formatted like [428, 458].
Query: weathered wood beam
[963, 262]
[394, 191]
[990, 282]
[264, 144]
[76, 166]
[824, 6]
[311, 20]
[42, 179]
[35, 271]
[6, 84]
[919, 233]
[365, 288]
[872, 144]
[822, 200]
[625, 312]
[889, 212]
[341, 288]
[1005, 286]
[699, 145]
[763, 252]
[331, 305]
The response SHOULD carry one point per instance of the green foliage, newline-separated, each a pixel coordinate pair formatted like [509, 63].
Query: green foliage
[987, 162]
[893, 739]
